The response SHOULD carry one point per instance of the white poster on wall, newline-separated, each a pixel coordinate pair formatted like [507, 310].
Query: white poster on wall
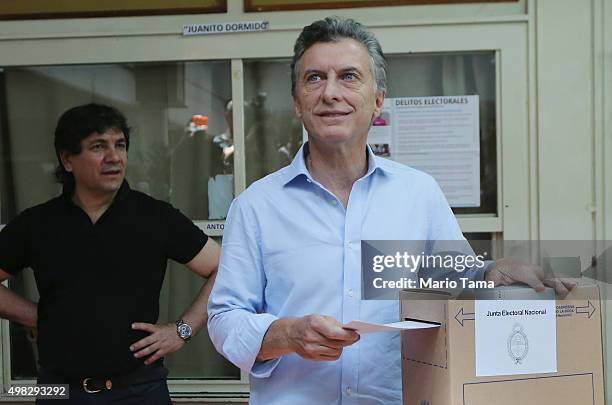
[438, 135]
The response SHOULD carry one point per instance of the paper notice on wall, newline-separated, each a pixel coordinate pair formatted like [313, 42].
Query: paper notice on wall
[438, 135]
[515, 337]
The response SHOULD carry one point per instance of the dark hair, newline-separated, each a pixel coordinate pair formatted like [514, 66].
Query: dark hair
[77, 124]
[333, 29]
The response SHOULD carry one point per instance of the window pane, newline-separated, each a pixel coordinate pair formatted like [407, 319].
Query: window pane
[274, 134]
[187, 169]
[159, 100]
[198, 359]
[455, 74]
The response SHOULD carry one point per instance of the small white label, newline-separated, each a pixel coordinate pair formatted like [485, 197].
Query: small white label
[212, 228]
[225, 28]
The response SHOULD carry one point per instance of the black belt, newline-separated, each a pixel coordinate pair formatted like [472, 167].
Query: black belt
[143, 374]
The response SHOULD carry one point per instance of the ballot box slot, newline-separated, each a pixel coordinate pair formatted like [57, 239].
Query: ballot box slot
[423, 321]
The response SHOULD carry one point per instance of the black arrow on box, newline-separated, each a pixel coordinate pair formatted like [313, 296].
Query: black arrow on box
[464, 316]
[588, 309]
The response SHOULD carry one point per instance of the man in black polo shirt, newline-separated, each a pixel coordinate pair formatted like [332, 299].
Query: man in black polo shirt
[99, 253]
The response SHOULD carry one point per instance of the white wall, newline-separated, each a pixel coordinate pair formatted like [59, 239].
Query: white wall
[565, 118]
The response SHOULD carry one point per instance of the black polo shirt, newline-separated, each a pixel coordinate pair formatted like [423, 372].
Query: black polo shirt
[96, 280]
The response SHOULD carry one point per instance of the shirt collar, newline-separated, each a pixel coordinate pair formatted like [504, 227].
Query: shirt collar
[68, 191]
[298, 168]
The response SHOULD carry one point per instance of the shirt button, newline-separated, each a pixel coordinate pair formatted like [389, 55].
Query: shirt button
[350, 292]
[308, 180]
[350, 245]
[349, 391]
[333, 202]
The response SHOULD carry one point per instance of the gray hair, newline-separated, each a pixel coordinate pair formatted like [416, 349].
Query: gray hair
[333, 29]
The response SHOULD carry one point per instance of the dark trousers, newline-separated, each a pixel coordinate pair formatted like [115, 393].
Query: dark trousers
[149, 393]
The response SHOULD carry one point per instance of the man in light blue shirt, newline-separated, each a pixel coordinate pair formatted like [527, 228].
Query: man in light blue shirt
[289, 275]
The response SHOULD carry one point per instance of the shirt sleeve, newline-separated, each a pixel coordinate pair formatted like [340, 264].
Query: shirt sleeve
[14, 251]
[184, 239]
[237, 321]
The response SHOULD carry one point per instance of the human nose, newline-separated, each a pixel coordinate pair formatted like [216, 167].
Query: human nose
[112, 154]
[332, 91]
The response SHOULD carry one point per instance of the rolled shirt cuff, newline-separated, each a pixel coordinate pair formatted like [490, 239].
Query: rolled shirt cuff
[243, 350]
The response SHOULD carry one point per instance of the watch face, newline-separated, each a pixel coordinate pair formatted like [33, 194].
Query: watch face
[184, 330]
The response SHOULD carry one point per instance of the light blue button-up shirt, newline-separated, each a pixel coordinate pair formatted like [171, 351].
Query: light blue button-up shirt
[290, 248]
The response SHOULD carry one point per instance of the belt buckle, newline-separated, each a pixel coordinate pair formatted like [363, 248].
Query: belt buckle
[107, 383]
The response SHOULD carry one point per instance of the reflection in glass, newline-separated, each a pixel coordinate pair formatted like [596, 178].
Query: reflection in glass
[273, 134]
[166, 160]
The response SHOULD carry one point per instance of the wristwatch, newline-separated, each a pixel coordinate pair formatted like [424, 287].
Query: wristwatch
[183, 330]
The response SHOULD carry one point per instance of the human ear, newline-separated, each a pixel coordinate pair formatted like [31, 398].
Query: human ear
[379, 101]
[297, 108]
[65, 158]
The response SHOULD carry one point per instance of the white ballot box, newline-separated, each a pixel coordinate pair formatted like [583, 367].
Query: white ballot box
[504, 351]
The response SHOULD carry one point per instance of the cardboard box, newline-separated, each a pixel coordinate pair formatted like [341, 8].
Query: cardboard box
[438, 365]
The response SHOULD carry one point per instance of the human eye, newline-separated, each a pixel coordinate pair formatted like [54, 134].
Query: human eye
[96, 146]
[313, 78]
[121, 144]
[350, 76]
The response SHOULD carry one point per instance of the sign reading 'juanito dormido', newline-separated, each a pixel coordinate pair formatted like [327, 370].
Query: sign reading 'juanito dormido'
[225, 27]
